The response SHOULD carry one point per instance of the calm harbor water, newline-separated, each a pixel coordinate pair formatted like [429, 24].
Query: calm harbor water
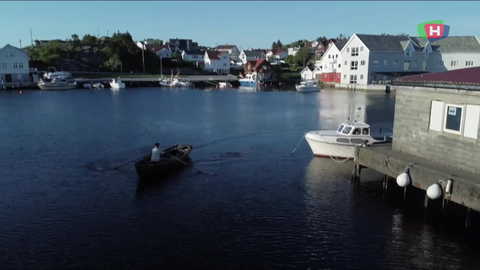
[62, 205]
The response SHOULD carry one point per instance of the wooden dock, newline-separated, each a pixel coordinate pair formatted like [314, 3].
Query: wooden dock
[465, 185]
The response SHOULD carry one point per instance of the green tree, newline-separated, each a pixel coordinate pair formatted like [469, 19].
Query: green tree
[302, 56]
[76, 41]
[158, 42]
[113, 62]
[274, 45]
[89, 40]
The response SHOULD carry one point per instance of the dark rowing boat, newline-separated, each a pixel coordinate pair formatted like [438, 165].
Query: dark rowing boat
[172, 158]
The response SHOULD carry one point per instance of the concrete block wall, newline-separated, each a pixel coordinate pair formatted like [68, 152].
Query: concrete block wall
[411, 127]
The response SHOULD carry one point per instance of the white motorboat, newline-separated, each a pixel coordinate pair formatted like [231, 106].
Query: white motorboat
[165, 82]
[176, 82]
[53, 73]
[224, 85]
[117, 84]
[308, 86]
[251, 80]
[341, 143]
[57, 84]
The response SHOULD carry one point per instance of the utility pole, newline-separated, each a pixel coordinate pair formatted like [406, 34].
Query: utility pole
[98, 34]
[20, 43]
[161, 69]
[31, 37]
[143, 54]
[107, 34]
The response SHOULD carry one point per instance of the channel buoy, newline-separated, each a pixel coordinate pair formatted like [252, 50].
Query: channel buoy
[403, 179]
[434, 191]
[21, 92]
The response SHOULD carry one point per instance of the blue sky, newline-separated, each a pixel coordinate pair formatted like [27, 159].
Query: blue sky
[211, 23]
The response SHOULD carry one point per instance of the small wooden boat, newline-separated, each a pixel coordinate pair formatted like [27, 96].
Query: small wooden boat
[172, 158]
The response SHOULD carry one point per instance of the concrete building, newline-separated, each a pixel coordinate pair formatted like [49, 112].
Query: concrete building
[437, 117]
[232, 51]
[218, 62]
[14, 64]
[371, 61]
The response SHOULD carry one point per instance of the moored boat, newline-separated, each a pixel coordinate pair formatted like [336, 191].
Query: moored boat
[117, 84]
[57, 84]
[308, 86]
[251, 80]
[172, 158]
[341, 143]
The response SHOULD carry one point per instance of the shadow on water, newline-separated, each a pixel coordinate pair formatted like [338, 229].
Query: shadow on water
[154, 185]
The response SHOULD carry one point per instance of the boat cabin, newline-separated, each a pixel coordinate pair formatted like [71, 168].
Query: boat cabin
[354, 129]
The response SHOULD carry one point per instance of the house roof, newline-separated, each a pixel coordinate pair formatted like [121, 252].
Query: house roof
[214, 55]
[22, 51]
[399, 43]
[308, 68]
[193, 52]
[258, 62]
[308, 44]
[254, 53]
[157, 47]
[465, 76]
[225, 47]
[340, 44]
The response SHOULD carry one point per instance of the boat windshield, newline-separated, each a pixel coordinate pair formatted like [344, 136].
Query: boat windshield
[347, 130]
[340, 128]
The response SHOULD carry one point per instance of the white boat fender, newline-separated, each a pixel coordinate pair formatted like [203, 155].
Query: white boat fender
[403, 179]
[448, 188]
[434, 191]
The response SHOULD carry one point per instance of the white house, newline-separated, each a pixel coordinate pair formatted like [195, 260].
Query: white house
[193, 56]
[247, 55]
[331, 62]
[232, 51]
[217, 61]
[293, 51]
[277, 54]
[376, 59]
[14, 64]
[162, 51]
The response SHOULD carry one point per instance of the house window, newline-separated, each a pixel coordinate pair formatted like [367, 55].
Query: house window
[453, 119]
[406, 65]
[362, 63]
[384, 62]
[395, 62]
[407, 53]
[15, 65]
[361, 77]
[345, 76]
[469, 63]
[440, 63]
[4, 65]
[348, 49]
[20, 65]
[12, 55]
[424, 65]
[346, 63]
[361, 49]
[415, 62]
[353, 79]
[336, 55]
[329, 57]
[355, 51]
[375, 62]
[339, 65]
[354, 65]
[454, 63]
[224, 64]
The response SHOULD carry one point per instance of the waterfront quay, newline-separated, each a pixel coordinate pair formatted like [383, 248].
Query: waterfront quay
[435, 146]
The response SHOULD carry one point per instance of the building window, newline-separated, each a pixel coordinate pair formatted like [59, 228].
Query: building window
[469, 63]
[362, 63]
[384, 62]
[353, 79]
[406, 65]
[361, 77]
[4, 65]
[415, 62]
[346, 63]
[361, 49]
[20, 65]
[348, 49]
[395, 62]
[339, 65]
[375, 62]
[336, 55]
[454, 63]
[329, 57]
[12, 55]
[15, 65]
[354, 65]
[224, 64]
[453, 119]
[407, 53]
[345, 76]
[355, 51]
[440, 64]
[424, 65]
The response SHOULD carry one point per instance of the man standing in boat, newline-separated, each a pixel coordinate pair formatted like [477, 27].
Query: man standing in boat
[156, 152]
